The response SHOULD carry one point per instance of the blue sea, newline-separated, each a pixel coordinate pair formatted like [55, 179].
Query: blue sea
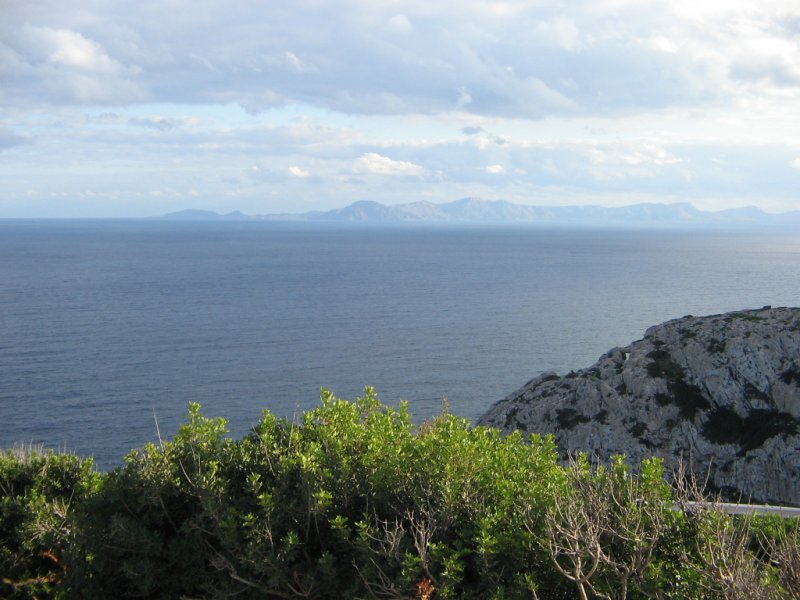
[109, 326]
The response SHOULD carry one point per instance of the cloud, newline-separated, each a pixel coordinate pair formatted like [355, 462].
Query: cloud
[68, 67]
[298, 172]
[160, 123]
[288, 61]
[780, 71]
[383, 165]
[263, 174]
[633, 154]
[586, 99]
[464, 97]
[257, 103]
[399, 24]
[559, 31]
[296, 64]
[9, 139]
[73, 50]
[521, 59]
[484, 138]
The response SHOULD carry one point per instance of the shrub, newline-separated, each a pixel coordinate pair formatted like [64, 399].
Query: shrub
[354, 500]
[39, 489]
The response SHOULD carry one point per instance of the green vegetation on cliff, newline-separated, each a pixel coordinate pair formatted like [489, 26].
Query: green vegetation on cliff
[354, 501]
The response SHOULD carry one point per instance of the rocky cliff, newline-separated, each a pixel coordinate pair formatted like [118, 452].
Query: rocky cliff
[722, 390]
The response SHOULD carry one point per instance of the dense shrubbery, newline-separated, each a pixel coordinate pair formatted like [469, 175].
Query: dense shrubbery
[39, 495]
[354, 501]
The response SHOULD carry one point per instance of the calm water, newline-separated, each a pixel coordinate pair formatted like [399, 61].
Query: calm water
[104, 324]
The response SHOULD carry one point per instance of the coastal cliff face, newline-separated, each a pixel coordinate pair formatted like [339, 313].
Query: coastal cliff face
[722, 390]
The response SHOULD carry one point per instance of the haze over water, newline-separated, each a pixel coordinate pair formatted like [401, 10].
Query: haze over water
[106, 323]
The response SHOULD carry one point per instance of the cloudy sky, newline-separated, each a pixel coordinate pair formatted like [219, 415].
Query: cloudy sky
[115, 108]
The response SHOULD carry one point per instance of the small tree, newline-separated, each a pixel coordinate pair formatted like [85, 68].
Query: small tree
[605, 526]
[733, 560]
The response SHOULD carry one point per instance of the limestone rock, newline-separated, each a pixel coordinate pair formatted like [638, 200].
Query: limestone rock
[721, 390]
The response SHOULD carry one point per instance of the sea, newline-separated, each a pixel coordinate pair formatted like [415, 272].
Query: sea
[108, 329]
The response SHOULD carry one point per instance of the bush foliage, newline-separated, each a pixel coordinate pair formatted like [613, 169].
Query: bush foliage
[354, 501]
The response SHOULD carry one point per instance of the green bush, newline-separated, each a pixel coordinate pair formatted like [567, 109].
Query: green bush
[352, 501]
[39, 491]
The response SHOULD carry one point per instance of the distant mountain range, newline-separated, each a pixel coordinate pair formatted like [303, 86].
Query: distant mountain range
[498, 212]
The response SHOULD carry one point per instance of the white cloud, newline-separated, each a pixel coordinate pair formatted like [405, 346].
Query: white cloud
[464, 97]
[633, 154]
[400, 24]
[70, 66]
[202, 61]
[507, 58]
[73, 50]
[495, 169]
[663, 44]
[559, 31]
[298, 172]
[372, 162]
[292, 62]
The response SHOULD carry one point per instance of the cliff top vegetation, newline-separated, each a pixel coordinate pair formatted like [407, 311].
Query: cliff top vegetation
[352, 500]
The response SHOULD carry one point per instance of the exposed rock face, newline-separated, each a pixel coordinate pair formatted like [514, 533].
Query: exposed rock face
[722, 390]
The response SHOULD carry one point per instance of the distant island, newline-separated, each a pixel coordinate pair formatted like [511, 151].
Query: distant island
[500, 212]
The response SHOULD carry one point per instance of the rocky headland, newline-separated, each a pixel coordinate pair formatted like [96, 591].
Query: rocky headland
[721, 393]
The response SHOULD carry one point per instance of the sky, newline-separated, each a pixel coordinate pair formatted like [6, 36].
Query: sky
[116, 108]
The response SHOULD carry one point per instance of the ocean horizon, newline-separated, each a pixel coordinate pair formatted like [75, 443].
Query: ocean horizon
[111, 325]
